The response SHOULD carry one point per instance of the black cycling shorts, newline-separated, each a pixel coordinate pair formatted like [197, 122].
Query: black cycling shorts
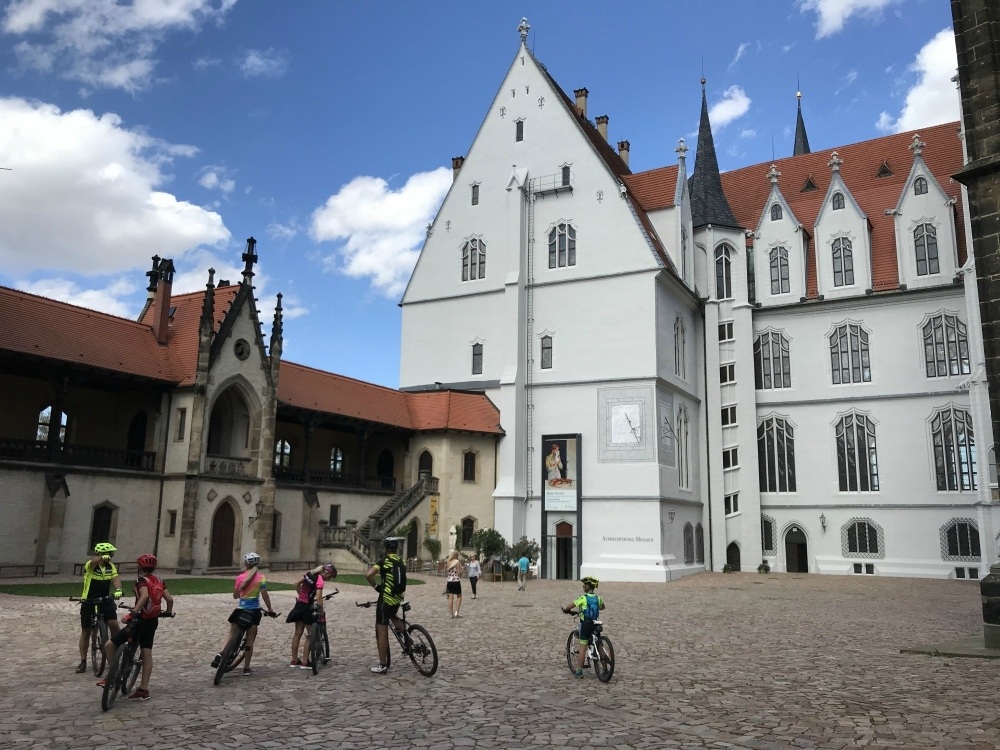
[301, 612]
[106, 611]
[385, 612]
[586, 630]
[256, 614]
[143, 632]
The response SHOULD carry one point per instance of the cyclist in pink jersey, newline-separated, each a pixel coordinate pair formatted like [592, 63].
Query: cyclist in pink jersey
[250, 588]
[309, 591]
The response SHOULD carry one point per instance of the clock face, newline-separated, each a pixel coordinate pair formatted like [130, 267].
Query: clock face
[626, 428]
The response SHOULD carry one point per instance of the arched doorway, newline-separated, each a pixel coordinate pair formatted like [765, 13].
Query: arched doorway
[384, 469]
[229, 425]
[564, 551]
[220, 553]
[102, 524]
[413, 538]
[733, 557]
[796, 551]
[425, 465]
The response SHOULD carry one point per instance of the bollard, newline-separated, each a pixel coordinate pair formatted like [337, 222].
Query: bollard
[989, 588]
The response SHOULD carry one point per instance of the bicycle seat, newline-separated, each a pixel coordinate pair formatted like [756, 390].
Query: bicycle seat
[406, 606]
[598, 622]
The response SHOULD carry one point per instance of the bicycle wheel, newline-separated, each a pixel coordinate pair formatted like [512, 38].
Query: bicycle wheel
[135, 667]
[423, 653]
[228, 657]
[572, 649]
[113, 682]
[315, 648]
[326, 645]
[604, 664]
[98, 637]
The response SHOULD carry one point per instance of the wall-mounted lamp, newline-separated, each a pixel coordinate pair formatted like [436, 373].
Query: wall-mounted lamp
[259, 507]
[822, 521]
[671, 513]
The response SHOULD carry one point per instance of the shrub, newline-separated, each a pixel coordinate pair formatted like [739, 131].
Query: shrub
[489, 544]
[433, 546]
[764, 567]
[523, 548]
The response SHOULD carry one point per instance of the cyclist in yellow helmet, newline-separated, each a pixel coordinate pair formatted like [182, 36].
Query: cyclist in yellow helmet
[589, 606]
[100, 583]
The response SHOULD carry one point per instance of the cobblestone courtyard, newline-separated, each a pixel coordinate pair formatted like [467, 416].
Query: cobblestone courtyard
[712, 661]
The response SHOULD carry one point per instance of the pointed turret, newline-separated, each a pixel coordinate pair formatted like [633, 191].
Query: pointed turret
[249, 258]
[801, 139]
[277, 329]
[708, 202]
[207, 323]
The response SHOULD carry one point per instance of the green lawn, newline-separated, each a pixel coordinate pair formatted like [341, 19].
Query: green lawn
[176, 584]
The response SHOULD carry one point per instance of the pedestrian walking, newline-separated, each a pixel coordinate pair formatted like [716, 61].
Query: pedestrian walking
[474, 572]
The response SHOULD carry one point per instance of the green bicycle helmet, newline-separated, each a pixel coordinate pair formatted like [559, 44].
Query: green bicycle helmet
[105, 548]
[589, 581]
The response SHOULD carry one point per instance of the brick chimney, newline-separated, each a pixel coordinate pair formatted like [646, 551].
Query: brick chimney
[581, 100]
[161, 300]
[623, 147]
[456, 164]
[602, 126]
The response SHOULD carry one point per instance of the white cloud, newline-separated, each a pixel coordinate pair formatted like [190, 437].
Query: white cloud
[284, 232]
[833, 14]
[380, 230]
[739, 53]
[111, 298]
[851, 77]
[733, 105]
[748, 133]
[102, 43]
[83, 195]
[217, 178]
[268, 63]
[933, 99]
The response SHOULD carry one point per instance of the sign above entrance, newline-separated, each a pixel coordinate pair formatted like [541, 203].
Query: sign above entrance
[561, 472]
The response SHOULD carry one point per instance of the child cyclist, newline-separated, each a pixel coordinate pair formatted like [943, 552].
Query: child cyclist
[309, 591]
[250, 587]
[150, 592]
[589, 606]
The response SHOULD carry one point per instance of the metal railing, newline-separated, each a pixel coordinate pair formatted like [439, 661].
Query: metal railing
[41, 451]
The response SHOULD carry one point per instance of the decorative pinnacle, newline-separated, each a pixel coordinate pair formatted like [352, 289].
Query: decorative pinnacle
[523, 28]
[917, 147]
[773, 174]
[835, 162]
[681, 150]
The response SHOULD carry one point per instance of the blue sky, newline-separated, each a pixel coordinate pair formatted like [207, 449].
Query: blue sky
[326, 129]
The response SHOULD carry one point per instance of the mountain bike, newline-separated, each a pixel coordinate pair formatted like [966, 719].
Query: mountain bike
[235, 651]
[414, 640]
[319, 641]
[126, 664]
[600, 652]
[98, 633]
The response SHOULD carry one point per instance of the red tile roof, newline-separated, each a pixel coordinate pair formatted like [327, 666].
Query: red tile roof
[654, 189]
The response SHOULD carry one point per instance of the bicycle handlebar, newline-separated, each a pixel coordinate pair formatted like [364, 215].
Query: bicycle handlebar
[97, 599]
[332, 594]
[366, 605]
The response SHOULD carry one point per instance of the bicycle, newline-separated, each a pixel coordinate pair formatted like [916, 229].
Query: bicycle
[126, 664]
[600, 652]
[98, 633]
[414, 640]
[235, 651]
[319, 641]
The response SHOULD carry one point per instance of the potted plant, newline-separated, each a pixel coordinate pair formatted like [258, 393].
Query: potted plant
[764, 567]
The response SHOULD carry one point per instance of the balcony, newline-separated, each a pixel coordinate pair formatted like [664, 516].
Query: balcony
[326, 478]
[41, 451]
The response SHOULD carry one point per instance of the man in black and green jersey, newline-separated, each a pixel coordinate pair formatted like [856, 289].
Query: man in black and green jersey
[99, 576]
[388, 599]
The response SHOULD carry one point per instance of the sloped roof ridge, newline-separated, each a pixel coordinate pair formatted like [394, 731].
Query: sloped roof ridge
[71, 306]
[318, 371]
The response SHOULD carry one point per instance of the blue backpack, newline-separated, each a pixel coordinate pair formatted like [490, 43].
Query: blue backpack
[592, 609]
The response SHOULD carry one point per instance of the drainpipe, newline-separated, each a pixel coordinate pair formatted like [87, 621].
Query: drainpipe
[163, 473]
[708, 452]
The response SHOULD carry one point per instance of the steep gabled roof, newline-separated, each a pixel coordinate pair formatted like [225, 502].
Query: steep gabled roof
[801, 139]
[42, 327]
[315, 390]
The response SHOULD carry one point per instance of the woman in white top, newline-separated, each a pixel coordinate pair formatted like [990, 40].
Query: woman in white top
[474, 572]
[454, 584]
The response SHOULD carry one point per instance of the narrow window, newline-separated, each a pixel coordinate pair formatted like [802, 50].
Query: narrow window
[680, 348]
[843, 262]
[474, 260]
[181, 423]
[727, 374]
[562, 246]
[282, 455]
[920, 186]
[683, 449]
[475, 195]
[546, 352]
[766, 536]
[771, 362]
[336, 461]
[946, 347]
[954, 450]
[477, 359]
[779, 271]
[838, 201]
[723, 273]
[730, 458]
[565, 176]
[468, 529]
[726, 331]
[776, 455]
[732, 504]
[776, 212]
[519, 130]
[469, 466]
[171, 522]
[925, 244]
[849, 355]
[276, 530]
[334, 515]
[728, 415]
[857, 461]
[699, 543]
[688, 543]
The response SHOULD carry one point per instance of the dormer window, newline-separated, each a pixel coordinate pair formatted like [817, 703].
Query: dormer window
[920, 186]
[838, 201]
[776, 212]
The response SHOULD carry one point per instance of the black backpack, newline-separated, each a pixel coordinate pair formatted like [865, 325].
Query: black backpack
[394, 576]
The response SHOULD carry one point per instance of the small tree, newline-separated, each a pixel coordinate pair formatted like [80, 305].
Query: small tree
[489, 544]
[523, 548]
[433, 546]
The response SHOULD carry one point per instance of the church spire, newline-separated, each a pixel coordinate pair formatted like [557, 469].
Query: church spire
[708, 202]
[801, 139]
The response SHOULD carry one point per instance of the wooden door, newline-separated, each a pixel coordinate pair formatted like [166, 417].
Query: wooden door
[223, 536]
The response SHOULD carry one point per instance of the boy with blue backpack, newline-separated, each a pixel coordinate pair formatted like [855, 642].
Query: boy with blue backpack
[589, 606]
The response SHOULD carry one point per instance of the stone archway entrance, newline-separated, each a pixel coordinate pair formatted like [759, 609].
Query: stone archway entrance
[733, 557]
[564, 550]
[796, 551]
[220, 553]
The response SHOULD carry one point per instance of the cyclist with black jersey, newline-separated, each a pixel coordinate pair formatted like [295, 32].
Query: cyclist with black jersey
[100, 584]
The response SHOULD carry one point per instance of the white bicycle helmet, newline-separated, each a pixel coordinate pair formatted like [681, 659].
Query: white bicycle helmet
[251, 558]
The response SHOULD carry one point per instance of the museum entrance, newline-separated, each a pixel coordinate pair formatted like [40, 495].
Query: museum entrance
[796, 551]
